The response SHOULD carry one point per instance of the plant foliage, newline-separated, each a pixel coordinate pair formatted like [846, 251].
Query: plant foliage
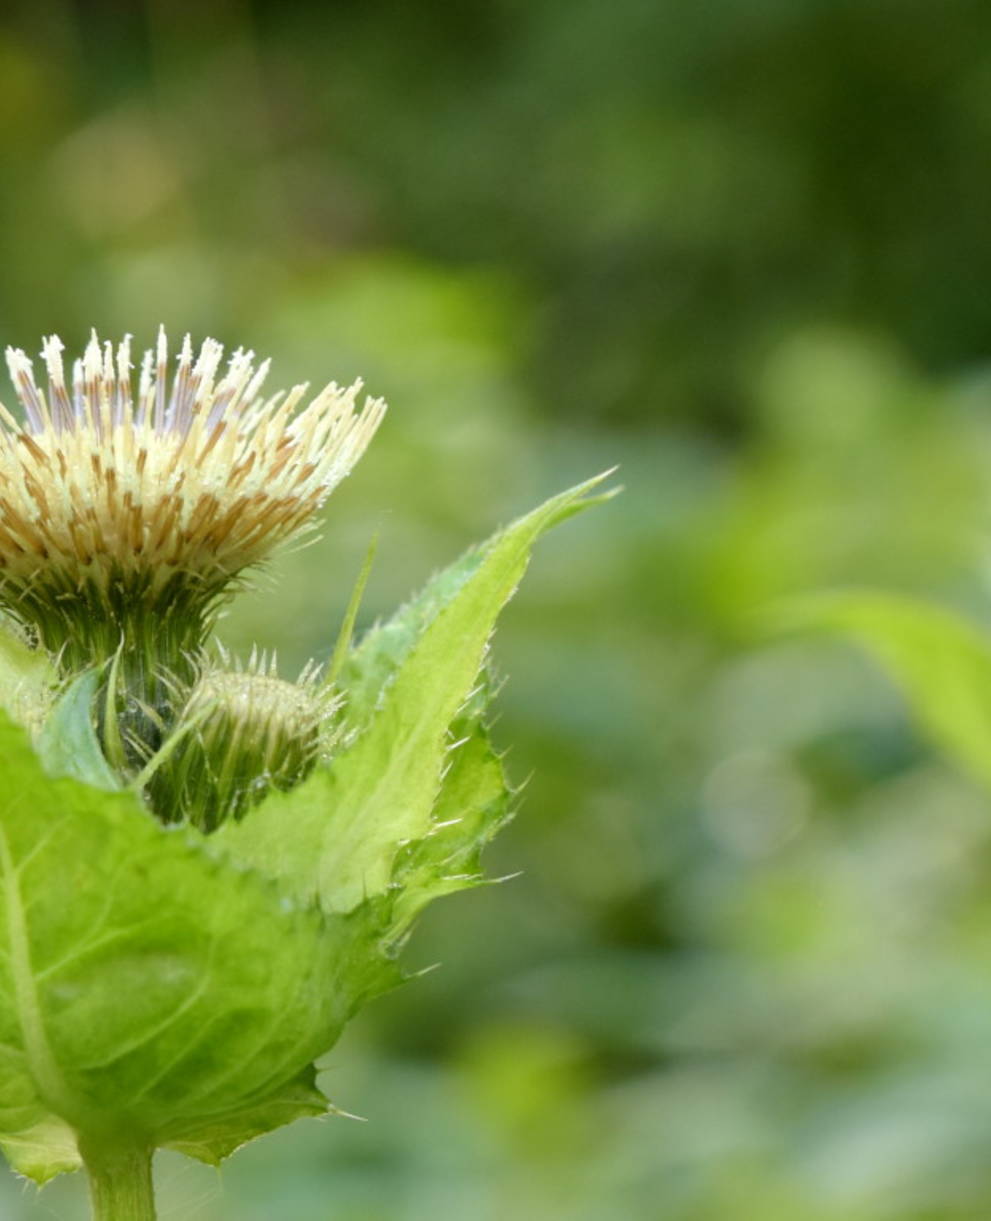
[165, 987]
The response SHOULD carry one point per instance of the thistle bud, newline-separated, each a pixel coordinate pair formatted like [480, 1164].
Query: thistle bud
[241, 734]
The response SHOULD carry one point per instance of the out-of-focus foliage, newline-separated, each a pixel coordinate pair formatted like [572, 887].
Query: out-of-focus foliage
[742, 250]
[941, 662]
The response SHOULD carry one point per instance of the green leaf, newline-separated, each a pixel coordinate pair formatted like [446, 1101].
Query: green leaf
[42, 1151]
[68, 745]
[343, 645]
[370, 668]
[941, 662]
[336, 836]
[218, 1137]
[473, 805]
[26, 675]
[145, 987]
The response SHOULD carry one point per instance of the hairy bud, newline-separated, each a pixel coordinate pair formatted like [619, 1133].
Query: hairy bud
[241, 734]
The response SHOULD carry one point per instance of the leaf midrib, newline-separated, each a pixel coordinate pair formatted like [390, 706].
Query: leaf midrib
[41, 1060]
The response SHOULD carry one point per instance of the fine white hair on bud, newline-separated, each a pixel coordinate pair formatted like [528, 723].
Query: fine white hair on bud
[116, 500]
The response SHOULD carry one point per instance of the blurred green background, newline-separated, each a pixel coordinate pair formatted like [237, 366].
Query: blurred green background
[740, 247]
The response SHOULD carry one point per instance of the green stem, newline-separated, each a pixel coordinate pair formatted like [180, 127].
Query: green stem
[120, 1184]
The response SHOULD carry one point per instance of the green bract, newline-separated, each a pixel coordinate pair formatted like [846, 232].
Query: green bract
[164, 987]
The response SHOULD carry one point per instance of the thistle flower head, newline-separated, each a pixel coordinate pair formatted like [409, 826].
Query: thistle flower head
[118, 500]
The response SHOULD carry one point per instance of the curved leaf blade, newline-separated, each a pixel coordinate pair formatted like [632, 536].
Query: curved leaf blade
[941, 662]
[144, 985]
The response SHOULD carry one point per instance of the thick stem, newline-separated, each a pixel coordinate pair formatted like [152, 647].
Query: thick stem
[120, 1184]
